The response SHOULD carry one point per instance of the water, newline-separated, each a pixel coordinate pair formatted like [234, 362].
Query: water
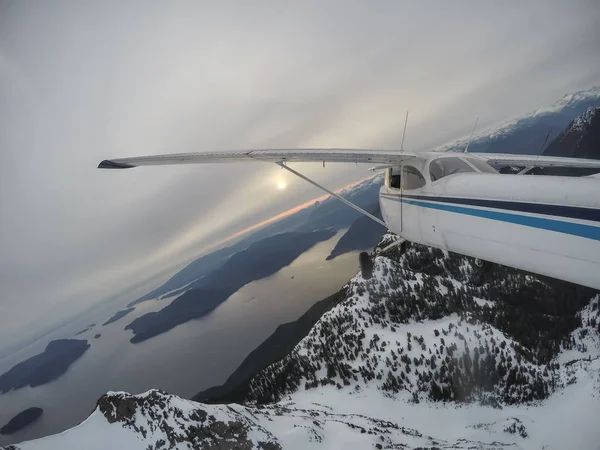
[187, 359]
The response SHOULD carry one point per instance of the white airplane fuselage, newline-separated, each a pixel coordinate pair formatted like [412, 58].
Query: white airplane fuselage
[543, 224]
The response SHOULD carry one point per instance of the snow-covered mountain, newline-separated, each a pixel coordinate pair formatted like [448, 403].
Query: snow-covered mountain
[581, 139]
[429, 353]
[430, 326]
[526, 134]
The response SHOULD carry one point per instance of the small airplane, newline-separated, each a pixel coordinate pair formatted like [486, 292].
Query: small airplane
[458, 202]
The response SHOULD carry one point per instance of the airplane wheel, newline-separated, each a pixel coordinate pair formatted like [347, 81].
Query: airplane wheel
[481, 271]
[366, 265]
[482, 265]
[404, 247]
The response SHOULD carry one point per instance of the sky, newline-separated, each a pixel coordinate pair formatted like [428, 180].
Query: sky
[85, 81]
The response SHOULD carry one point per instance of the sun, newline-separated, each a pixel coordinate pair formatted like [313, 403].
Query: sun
[281, 185]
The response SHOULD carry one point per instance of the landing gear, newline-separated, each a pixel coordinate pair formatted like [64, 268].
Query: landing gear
[400, 245]
[482, 265]
[366, 265]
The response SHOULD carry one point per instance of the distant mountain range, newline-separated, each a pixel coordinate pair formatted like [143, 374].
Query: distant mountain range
[527, 133]
[328, 214]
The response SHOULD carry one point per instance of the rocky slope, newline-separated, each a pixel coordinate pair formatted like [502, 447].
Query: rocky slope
[581, 139]
[430, 353]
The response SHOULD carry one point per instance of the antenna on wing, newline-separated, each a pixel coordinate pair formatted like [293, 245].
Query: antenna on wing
[545, 140]
[404, 132]
[542, 147]
[471, 137]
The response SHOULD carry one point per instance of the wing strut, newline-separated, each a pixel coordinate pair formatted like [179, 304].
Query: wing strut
[339, 197]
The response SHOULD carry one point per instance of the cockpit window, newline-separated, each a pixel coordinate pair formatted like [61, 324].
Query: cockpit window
[482, 166]
[442, 167]
[413, 179]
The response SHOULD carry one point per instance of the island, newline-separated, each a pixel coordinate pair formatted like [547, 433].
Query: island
[97, 336]
[259, 260]
[22, 420]
[45, 367]
[118, 315]
[89, 327]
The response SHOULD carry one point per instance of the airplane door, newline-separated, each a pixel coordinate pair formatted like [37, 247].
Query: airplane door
[413, 182]
[400, 199]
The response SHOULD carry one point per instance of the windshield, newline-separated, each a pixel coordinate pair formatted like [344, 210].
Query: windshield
[442, 167]
[482, 166]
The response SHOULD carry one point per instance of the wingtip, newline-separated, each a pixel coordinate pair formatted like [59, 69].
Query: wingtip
[108, 164]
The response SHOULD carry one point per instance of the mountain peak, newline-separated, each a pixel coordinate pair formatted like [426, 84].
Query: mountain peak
[161, 420]
[569, 100]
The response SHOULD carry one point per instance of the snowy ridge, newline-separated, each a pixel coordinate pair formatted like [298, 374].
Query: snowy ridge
[569, 99]
[505, 128]
[495, 131]
[156, 420]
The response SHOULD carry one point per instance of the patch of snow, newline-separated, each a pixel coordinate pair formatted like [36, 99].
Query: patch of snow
[483, 302]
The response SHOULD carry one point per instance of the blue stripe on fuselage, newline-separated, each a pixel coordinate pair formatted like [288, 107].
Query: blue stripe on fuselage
[575, 229]
[569, 212]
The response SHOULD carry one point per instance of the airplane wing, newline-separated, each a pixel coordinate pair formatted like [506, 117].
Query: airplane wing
[537, 161]
[390, 157]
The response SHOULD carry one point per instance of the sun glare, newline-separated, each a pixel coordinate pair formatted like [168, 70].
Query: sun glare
[281, 185]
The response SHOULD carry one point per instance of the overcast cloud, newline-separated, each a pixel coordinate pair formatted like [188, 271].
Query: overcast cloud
[84, 81]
